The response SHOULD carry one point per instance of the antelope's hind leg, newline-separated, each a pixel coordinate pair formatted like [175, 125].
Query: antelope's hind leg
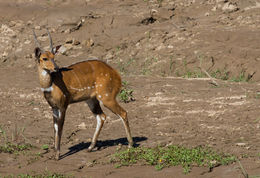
[94, 106]
[122, 114]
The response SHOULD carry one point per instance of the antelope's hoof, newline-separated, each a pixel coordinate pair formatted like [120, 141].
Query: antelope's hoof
[90, 149]
[130, 144]
[57, 156]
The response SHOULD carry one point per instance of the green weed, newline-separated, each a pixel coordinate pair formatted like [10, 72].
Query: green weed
[162, 157]
[14, 148]
[194, 74]
[17, 142]
[44, 175]
[240, 78]
[220, 74]
[45, 147]
[126, 94]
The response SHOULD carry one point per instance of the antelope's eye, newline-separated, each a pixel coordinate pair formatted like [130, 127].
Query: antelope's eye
[45, 59]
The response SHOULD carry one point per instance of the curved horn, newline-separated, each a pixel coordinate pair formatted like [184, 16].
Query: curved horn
[36, 41]
[49, 35]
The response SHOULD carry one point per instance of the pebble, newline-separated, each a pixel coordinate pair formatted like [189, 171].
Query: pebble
[230, 7]
[241, 144]
[37, 27]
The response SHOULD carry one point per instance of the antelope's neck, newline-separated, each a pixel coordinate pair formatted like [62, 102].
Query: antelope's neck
[45, 79]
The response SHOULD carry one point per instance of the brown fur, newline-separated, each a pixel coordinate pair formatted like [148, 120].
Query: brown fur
[91, 81]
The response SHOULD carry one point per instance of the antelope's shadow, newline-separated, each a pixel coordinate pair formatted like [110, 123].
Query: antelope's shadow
[102, 144]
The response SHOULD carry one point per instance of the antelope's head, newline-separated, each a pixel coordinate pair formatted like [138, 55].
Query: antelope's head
[45, 59]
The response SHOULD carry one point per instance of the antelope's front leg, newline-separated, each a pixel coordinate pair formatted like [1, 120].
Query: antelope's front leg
[58, 121]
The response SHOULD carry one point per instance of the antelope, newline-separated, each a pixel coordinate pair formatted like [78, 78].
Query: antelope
[92, 81]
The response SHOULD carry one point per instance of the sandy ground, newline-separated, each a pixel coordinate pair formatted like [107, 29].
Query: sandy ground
[152, 44]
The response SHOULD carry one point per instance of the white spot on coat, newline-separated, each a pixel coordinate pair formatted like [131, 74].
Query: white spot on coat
[99, 96]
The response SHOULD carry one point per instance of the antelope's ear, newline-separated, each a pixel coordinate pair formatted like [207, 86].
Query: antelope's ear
[56, 49]
[37, 52]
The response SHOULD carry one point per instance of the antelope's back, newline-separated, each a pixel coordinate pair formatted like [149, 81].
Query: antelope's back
[91, 76]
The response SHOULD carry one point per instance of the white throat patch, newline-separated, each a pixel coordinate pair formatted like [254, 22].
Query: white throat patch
[49, 89]
[44, 73]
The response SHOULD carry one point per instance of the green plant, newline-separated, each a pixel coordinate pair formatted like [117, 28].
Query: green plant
[124, 66]
[14, 148]
[194, 74]
[220, 74]
[240, 78]
[45, 147]
[162, 157]
[126, 94]
[12, 145]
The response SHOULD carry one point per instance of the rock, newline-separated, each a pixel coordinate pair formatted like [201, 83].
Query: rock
[5, 54]
[67, 31]
[38, 27]
[82, 126]
[27, 42]
[241, 144]
[29, 56]
[76, 42]
[69, 40]
[29, 22]
[219, 1]
[88, 43]
[63, 50]
[230, 7]
[5, 30]
[109, 56]
[214, 8]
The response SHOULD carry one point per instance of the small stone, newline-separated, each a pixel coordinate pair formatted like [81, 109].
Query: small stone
[76, 42]
[29, 56]
[88, 43]
[5, 54]
[67, 31]
[38, 27]
[29, 22]
[230, 7]
[63, 50]
[82, 126]
[27, 42]
[214, 8]
[206, 14]
[69, 40]
[241, 144]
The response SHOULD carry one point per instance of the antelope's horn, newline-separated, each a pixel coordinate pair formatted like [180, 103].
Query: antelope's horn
[36, 41]
[51, 44]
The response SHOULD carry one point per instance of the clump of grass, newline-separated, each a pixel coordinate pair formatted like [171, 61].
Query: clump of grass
[194, 74]
[17, 142]
[14, 148]
[44, 175]
[220, 74]
[240, 78]
[126, 94]
[162, 157]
